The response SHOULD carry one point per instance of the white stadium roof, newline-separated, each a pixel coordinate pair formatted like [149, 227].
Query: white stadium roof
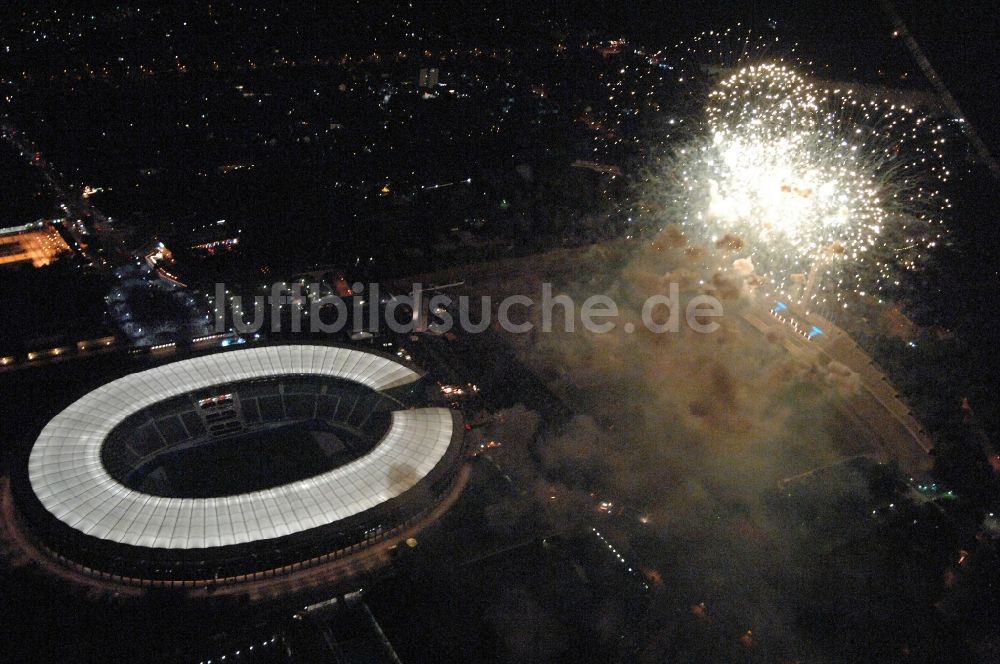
[69, 479]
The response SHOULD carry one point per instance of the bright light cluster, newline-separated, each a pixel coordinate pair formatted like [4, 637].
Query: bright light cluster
[801, 179]
[775, 176]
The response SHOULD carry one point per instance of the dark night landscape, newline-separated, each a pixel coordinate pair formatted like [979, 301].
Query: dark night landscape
[405, 332]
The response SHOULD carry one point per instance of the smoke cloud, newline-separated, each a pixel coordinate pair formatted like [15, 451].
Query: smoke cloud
[694, 429]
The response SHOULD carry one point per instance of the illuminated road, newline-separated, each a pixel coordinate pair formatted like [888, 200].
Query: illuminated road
[75, 206]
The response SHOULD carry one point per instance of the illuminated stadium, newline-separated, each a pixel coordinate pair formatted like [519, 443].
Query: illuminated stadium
[239, 463]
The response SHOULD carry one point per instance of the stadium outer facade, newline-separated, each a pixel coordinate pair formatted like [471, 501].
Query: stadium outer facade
[77, 508]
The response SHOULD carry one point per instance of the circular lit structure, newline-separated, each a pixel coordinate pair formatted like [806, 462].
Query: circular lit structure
[101, 469]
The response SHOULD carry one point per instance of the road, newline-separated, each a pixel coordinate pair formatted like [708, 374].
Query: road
[75, 206]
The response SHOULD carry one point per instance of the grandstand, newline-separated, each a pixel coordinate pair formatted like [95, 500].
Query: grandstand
[238, 462]
[282, 426]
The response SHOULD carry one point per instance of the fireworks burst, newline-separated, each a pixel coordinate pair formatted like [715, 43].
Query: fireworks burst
[808, 180]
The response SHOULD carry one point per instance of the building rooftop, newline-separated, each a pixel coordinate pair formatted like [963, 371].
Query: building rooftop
[68, 477]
